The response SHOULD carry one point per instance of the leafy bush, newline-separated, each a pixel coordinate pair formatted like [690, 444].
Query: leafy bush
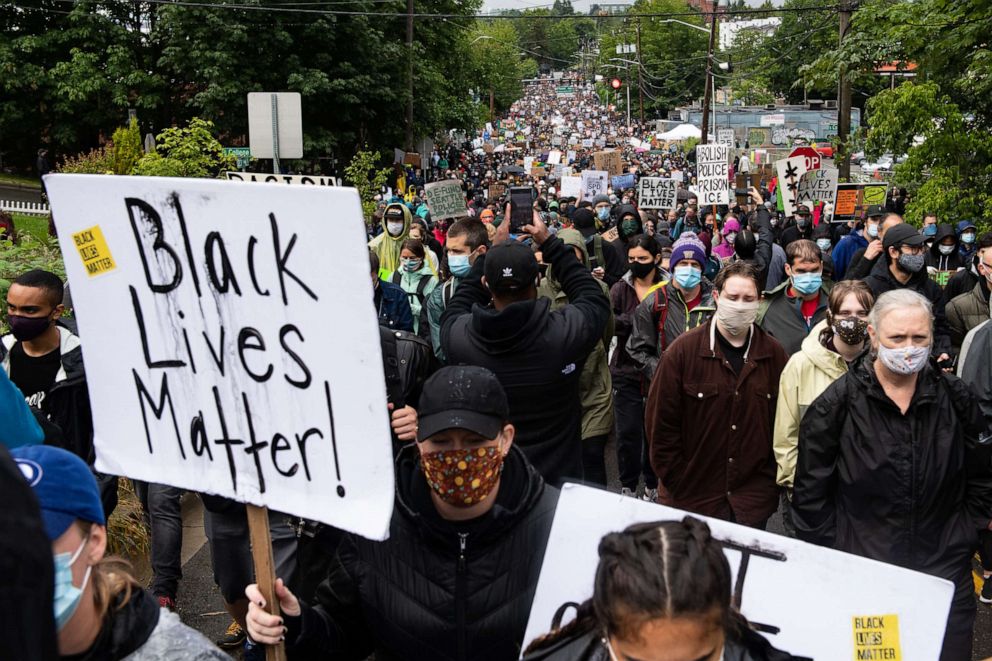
[28, 253]
[192, 151]
[127, 149]
[364, 174]
[95, 161]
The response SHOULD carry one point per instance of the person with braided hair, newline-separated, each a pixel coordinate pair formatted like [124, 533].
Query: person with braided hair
[662, 592]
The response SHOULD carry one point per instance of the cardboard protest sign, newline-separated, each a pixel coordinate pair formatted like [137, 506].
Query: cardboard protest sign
[570, 186]
[209, 357]
[593, 183]
[860, 611]
[852, 200]
[817, 186]
[609, 161]
[293, 179]
[623, 182]
[611, 234]
[445, 199]
[657, 193]
[497, 190]
[790, 172]
[712, 174]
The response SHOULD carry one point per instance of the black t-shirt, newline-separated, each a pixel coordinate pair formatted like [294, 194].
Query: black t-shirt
[734, 355]
[31, 374]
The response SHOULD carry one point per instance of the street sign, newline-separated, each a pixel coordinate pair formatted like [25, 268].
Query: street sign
[241, 154]
[565, 90]
[811, 156]
[275, 125]
[626, 49]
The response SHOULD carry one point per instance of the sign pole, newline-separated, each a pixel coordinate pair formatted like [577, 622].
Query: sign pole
[261, 553]
[275, 134]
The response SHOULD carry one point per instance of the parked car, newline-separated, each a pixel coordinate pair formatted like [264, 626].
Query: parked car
[885, 163]
[858, 157]
[826, 151]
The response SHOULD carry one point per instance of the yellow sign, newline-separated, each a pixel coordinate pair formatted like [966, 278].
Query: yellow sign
[874, 195]
[876, 638]
[94, 252]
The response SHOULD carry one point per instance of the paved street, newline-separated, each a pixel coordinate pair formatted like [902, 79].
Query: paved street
[19, 193]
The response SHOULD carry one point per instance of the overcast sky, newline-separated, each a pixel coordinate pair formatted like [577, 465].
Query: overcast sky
[580, 5]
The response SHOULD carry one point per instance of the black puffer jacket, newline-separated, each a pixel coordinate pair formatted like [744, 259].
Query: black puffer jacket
[910, 490]
[435, 590]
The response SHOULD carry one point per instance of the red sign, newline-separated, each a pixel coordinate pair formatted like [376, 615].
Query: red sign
[811, 156]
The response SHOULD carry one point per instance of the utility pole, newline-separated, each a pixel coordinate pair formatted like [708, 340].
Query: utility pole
[844, 100]
[707, 93]
[640, 74]
[409, 81]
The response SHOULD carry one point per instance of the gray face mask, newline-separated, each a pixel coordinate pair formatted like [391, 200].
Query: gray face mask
[911, 263]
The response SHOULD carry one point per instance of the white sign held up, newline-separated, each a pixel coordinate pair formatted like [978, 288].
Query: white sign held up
[852, 593]
[204, 304]
[657, 193]
[818, 185]
[570, 186]
[445, 199]
[790, 172]
[713, 174]
[594, 182]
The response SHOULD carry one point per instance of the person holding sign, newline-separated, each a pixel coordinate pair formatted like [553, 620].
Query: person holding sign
[711, 408]
[457, 575]
[899, 433]
[101, 612]
[660, 588]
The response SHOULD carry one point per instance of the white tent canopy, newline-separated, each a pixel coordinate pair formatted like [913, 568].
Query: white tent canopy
[681, 132]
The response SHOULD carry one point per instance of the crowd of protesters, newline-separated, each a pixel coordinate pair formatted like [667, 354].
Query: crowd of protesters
[731, 362]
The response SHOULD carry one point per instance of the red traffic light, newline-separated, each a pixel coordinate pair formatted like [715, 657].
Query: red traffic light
[615, 83]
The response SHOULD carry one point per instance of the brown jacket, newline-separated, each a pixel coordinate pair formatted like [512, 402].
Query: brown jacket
[711, 431]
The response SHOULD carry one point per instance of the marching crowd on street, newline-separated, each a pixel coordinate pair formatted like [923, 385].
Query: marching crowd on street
[738, 363]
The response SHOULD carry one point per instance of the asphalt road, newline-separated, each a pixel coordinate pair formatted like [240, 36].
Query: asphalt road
[19, 194]
[200, 604]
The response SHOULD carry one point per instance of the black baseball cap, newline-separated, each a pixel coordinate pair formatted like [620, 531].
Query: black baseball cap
[802, 210]
[902, 234]
[510, 266]
[874, 210]
[462, 397]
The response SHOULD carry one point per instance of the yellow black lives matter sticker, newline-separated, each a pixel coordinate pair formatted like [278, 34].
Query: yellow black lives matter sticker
[876, 638]
[94, 251]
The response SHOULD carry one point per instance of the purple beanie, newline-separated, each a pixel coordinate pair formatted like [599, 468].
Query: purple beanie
[688, 246]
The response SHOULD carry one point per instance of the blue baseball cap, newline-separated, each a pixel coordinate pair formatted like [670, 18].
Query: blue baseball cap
[64, 485]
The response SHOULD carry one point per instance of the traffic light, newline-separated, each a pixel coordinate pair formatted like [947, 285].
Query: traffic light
[615, 83]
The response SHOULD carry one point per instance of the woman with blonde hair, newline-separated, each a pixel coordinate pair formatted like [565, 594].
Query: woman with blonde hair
[101, 613]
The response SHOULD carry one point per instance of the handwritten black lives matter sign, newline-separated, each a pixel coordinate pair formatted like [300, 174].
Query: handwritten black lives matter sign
[230, 343]
[657, 193]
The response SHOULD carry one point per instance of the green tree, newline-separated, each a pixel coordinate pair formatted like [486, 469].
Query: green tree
[750, 57]
[364, 173]
[192, 151]
[126, 148]
[497, 64]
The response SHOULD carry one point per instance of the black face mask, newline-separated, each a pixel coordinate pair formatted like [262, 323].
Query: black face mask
[639, 270]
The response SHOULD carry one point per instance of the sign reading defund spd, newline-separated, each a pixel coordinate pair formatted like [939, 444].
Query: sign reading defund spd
[212, 358]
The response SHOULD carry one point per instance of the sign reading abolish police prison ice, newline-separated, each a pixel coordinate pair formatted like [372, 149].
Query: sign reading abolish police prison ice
[713, 175]
[211, 359]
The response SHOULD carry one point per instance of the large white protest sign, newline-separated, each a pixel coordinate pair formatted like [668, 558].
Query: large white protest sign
[554, 157]
[790, 172]
[855, 597]
[818, 185]
[445, 199]
[294, 179]
[594, 182]
[528, 163]
[211, 361]
[570, 156]
[713, 174]
[657, 193]
[570, 186]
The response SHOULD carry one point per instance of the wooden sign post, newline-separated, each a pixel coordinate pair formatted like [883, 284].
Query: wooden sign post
[265, 570]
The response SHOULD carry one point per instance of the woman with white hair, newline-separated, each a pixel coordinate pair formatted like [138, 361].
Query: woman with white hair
[889, 466]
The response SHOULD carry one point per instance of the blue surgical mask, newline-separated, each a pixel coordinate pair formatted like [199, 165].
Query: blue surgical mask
[67, 595]
[603, 213]
[824, 244]
[807, 283]
[459, 265]
[968, 237]
[871, 230]
[411, 265]
[688, 277]
[930, 230]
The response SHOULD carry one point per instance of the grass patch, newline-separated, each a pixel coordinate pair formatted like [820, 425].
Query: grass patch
[36, 226]
[6, 178]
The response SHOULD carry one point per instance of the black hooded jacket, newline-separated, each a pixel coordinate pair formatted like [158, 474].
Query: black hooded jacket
[911, 490]
[940, 262]
[536, 353]
[435, 590]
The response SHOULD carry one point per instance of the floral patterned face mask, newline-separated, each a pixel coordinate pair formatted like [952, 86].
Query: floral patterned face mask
[463, 477]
